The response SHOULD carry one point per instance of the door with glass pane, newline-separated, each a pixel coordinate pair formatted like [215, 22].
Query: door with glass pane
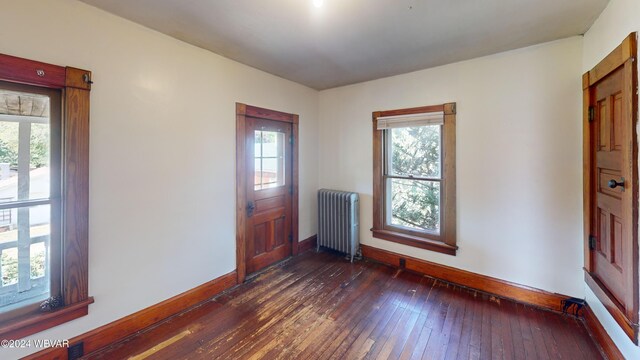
[269, 190]
[30, 125]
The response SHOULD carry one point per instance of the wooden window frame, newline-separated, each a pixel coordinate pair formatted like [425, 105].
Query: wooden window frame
[622, 56]
[445, 241]
[75, 87]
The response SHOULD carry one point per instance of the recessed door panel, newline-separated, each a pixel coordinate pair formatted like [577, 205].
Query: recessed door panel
[280, 232]
[603, 183]
[259, 236]
[603, 138]
[603, 234]
[617, 122]
[617, 234]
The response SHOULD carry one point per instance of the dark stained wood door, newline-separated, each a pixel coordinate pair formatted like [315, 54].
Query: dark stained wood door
[268, 192]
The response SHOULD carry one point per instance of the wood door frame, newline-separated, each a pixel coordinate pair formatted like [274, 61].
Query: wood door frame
[623, 56]
[244, 111]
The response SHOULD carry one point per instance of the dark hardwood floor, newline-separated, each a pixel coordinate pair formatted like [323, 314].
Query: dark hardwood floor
[319, 306]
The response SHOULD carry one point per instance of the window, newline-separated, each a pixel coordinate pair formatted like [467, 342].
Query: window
[269, 159]
[29, 193]
[44, 137]
[414, 177]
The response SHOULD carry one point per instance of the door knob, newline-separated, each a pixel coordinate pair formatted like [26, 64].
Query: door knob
[614, 184]
[250, 208]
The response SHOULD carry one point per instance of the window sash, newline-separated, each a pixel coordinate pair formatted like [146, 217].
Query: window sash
[25, 288]
[25, 203]
[387, 202]
[388, 209]
[387, 159]
[26, 297]
[410, 177]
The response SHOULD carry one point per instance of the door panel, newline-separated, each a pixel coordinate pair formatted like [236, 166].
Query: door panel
[603, 128]
[269, 180]
[617, 235]
[617, 122]
[269, 203]
[603, 186]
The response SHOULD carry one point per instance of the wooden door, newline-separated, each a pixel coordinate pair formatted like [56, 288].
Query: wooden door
[612, 190]
[267, 187]
[268, 226]
[613, 181]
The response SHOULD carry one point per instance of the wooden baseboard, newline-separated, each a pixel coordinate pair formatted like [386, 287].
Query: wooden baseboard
[629, 328]
[308, 243]
[498, 287]
[600, 335]
[120, 329]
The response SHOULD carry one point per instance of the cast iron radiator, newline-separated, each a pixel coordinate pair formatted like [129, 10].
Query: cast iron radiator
[338, 221]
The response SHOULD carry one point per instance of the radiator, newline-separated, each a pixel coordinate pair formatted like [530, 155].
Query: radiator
[338, 221]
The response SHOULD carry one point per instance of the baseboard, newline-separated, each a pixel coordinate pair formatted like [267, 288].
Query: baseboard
[600, 335]
[498, 287]
[308, 243]
[618, 315]
[120, 329]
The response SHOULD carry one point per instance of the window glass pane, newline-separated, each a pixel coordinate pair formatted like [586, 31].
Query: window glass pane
[414, 204]
[9, 262]
[24, 146]
[270, 166]
[415, 151]
[257, 178]
[272, 143]
[38, 255]
[269, 171]
[24, 256]
[258, 143]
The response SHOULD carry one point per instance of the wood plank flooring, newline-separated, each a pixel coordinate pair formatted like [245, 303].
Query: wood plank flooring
[320, 306]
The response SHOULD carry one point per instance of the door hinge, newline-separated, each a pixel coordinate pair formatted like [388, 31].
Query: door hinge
[250, 207]
[592, 242]
[290, 238]
[291, 139]
[592, 113]
[291, 190]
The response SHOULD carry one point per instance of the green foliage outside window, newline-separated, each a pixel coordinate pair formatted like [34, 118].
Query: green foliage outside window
[39, 144]
[415, 152]
[9, 261]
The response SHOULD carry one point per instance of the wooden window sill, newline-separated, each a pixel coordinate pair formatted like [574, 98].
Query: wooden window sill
[414, 241]
[34, 323]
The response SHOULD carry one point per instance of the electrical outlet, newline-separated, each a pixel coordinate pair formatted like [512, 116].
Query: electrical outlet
[75, 351]
[573, 306]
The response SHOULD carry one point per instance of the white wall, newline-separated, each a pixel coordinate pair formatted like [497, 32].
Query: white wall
[518, 159]
[617, 21]
[162, 151]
